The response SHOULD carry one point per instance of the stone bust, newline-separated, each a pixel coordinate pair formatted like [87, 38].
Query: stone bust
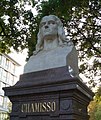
[51, 34]
[53, 49]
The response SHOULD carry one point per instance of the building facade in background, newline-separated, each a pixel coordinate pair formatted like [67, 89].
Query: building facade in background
[8, 77]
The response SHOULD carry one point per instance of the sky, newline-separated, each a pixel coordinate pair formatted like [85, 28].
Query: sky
[21, 56]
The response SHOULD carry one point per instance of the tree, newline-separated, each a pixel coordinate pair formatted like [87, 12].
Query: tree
[15, 24]
[81, 20]
[9, 107]
[98, 112]
[95, 106]
[82, 23]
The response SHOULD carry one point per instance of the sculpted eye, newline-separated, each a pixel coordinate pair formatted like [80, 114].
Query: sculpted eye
[42, 24]
[51, 22]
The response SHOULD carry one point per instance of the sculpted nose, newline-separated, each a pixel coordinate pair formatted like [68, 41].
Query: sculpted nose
[46, 26]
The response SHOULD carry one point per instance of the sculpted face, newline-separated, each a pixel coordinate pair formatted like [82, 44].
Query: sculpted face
[48, 27]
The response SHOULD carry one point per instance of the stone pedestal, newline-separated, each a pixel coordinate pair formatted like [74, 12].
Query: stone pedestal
[49, 95]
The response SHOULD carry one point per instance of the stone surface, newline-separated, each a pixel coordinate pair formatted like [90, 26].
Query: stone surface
[53, 50]
[50, 88]
[58, 95]
[61, 56]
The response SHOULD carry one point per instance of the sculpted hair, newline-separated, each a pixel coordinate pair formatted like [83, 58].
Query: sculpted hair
[61, 34]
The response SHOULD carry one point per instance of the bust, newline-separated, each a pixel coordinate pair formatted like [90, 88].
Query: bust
[53, 50]
[51, 33]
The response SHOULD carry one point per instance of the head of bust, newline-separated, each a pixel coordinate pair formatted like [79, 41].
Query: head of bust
[50, 27]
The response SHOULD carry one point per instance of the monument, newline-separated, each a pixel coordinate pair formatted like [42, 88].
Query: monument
[53, 49]
[50, 87]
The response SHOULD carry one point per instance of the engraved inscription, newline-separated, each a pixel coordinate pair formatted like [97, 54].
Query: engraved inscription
[38, 107]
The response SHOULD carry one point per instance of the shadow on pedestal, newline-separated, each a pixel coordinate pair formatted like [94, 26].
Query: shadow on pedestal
[49, 95]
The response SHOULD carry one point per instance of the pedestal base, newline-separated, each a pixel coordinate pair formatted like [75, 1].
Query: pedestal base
[49, 95]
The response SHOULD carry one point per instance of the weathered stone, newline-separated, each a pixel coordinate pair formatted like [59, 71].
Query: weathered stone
[49, 95]
[53, 49]
[50, 88]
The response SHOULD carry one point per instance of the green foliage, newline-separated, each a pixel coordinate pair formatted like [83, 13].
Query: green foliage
[82, 23]
[98, 95]
[81, 20]
[92, 109]
[95, 106]
[15, 24]
[98, 112]
[9, 106]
